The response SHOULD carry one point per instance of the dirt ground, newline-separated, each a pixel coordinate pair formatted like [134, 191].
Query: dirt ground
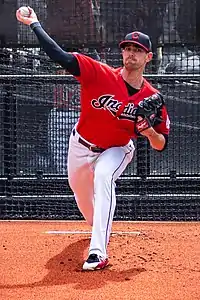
[148, 261]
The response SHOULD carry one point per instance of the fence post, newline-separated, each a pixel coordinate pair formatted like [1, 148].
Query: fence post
[10, 136]
[143, 157]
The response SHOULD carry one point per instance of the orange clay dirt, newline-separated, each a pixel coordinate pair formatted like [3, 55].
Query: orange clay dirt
[150, 261]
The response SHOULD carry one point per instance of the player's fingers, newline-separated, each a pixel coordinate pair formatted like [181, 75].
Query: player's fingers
[32, 15]
[18, 15]
[31, 11]
[26, 20]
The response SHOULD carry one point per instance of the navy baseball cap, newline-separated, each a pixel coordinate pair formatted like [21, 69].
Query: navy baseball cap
[137, 38]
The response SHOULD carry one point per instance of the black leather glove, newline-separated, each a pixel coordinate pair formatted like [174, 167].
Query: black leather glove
[148, 112]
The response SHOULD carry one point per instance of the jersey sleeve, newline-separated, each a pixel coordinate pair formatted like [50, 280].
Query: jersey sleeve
[164, 126]
[88, 68]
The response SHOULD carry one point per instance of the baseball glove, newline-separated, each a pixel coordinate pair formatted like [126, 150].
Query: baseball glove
[148, 112]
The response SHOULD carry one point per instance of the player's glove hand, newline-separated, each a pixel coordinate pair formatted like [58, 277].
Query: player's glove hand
[32, 18]
[148, 112]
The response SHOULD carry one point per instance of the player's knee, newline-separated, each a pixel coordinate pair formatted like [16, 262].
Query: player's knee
[102, 177]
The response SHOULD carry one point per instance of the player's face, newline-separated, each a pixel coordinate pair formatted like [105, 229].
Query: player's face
[135, 58]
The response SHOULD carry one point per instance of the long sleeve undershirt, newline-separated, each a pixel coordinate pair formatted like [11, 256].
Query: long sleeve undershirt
[65, 59]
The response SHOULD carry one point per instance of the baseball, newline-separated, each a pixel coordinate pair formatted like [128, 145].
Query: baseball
[24, 11]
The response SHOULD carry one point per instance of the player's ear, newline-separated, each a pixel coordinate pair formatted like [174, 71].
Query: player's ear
[149, 56]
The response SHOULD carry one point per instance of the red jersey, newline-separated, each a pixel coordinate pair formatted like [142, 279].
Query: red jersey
[107, 110]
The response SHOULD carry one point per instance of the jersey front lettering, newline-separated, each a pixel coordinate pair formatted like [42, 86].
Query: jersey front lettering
[113, 106]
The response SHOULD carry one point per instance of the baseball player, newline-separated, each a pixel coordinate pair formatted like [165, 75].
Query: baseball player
[117, 106]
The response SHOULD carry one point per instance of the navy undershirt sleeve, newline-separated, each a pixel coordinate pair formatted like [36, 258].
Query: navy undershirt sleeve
[66, 60]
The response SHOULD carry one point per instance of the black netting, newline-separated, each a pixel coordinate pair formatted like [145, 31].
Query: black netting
[35, 123]
[96, 27]
[93, 22]
[34, 138]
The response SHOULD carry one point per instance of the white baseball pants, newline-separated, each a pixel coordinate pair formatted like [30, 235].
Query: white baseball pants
[92, 178]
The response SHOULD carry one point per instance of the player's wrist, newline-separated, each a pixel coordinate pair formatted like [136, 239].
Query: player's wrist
[149, 132]
[34, 24]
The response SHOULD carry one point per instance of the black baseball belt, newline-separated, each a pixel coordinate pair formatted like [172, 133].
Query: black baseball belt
[92, 148]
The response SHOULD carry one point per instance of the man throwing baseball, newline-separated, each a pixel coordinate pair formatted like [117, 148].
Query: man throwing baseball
[117, 106]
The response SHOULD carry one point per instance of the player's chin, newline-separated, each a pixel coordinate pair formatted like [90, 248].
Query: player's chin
[130, 66]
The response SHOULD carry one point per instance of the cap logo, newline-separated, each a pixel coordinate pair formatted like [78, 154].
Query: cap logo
[135, 36]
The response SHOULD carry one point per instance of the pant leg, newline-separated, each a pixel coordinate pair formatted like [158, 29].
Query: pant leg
[108, 167]
[81, 176]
